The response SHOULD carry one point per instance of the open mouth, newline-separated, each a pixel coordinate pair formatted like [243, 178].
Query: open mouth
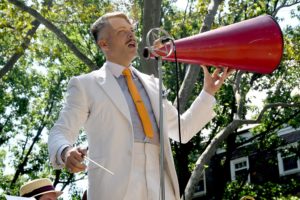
[131, 44]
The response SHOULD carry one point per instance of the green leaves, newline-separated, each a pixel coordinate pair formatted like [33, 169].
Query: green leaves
[32, 92]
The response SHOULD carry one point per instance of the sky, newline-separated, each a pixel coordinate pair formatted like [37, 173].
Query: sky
[285, 14]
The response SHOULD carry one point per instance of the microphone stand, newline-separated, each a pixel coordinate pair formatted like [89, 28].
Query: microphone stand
[162, 95]
[161, 129]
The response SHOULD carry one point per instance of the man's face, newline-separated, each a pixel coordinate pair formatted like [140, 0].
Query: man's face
[121, 41]
[49, 196]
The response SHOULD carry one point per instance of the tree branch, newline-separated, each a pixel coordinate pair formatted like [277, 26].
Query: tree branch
[56, 31]
[268, 106]
[12, 61]
[37, 137]
[238, 94]
[283, 5]
[270, 129]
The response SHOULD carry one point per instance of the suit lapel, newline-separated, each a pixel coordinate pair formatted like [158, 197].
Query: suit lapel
[111, 87]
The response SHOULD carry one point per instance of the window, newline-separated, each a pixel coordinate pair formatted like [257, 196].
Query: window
[288, 163]
[200, 189]
[239, 169]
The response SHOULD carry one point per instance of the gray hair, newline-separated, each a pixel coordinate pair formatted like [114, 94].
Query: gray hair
[101, 23]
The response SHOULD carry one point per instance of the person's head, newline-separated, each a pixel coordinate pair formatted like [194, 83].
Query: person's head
[114, 34]
[41, 189]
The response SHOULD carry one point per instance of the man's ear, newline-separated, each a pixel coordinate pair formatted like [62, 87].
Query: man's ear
[102, 44]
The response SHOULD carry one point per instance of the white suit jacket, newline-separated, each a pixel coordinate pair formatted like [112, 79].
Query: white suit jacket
[95, 101]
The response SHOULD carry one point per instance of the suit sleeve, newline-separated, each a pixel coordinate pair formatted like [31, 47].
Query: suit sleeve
[71, 118]
[193, 119]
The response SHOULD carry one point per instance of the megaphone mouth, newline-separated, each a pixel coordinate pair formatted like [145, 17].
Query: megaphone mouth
[146, 53]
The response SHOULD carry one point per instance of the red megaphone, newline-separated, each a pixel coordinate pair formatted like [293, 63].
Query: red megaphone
[254, 45]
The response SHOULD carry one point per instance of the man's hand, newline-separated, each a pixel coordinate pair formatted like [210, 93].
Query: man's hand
[73, 158]
[214, 81]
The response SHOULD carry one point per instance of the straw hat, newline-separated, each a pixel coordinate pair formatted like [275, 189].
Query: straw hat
[38, 187]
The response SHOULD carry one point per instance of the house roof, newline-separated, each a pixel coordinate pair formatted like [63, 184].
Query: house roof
[287, 135]
[292, 136]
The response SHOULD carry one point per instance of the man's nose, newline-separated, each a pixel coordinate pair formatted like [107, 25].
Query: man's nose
[130, 34]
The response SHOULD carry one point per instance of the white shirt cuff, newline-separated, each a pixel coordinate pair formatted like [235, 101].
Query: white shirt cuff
[59, 160]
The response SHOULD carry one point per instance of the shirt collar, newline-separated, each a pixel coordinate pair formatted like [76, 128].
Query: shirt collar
[116, 69]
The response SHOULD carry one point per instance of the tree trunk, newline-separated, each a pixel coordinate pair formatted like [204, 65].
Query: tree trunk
[151, 19]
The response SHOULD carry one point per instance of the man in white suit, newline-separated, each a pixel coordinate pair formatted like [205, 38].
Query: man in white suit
[101, 103]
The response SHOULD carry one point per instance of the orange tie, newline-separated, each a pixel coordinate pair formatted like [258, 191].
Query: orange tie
[139, 104]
